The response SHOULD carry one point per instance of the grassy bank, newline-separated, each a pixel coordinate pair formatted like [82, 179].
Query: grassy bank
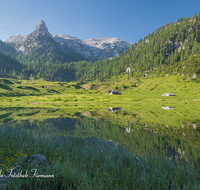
[92, 164]
[160, 125]
[153, 85]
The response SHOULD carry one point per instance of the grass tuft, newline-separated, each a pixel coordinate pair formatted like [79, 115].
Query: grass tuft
[90, 164]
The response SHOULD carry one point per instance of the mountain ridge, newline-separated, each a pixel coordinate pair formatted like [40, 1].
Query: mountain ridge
[39, 28]
[167, 47]
[92, 49]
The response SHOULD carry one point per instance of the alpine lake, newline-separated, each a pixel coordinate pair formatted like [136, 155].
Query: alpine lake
[168, 126]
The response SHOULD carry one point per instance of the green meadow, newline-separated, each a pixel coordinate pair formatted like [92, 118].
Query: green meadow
[82, 162]
[134, 91]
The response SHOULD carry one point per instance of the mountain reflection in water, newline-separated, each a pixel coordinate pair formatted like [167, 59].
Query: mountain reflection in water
[140, 130]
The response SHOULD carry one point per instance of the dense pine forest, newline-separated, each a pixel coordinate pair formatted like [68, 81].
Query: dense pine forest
[9, 64]
[169, 44]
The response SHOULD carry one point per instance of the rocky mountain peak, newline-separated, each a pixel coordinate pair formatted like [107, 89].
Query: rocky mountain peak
[92, 49]
[41, 27]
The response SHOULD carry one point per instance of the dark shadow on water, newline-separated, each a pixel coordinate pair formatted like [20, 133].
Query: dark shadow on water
[139, 130]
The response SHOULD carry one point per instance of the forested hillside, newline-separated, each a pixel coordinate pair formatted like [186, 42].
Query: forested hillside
[169, 44]
[9, 65]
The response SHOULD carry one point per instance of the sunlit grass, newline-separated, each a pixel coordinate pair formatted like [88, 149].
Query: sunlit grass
[93, 164]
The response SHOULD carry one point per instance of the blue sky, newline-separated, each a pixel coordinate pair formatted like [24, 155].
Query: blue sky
[127, 20]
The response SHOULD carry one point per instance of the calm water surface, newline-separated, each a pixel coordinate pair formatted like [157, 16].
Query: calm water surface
[170, 131]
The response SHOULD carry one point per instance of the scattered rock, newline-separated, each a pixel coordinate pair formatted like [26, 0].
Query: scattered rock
[194, 125]
[194, 76]
[87, 113]
[87, 86]
[35, 158]
[173, 46]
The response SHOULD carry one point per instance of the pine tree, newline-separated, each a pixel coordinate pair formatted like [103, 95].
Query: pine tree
[128, 75]
[14, 72]
[197, 33]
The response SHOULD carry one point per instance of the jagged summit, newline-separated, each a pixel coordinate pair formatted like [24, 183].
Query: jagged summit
[41, 28]
[91, 49]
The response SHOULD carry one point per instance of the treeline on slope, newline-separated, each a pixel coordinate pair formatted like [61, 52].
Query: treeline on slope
[167, 45]
[37, 66]
[50, 65]
[7, 64]
[187, 69]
